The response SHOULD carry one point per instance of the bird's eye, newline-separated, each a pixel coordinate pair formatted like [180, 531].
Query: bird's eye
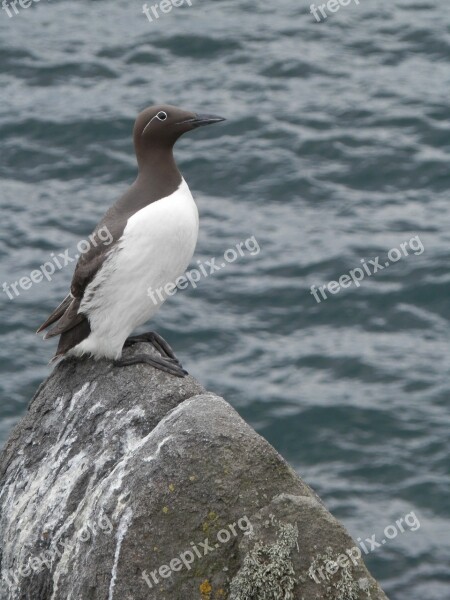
[162, 116]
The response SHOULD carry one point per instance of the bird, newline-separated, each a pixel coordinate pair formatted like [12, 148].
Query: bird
[153, 231]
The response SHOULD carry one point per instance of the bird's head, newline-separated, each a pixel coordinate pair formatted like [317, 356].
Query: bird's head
[161, 126]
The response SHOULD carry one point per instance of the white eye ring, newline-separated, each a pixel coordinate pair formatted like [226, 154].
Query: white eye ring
[161, 116]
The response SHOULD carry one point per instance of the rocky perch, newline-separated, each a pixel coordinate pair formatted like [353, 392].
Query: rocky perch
[130, 484]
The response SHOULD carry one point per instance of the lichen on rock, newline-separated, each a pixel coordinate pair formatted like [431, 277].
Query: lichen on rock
[268, 572]
[340, 585]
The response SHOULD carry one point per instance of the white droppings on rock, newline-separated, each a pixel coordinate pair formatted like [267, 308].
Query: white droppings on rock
[137, 411]
[93, 408]
[82, 394]
[59, 403]
[158, 449]
[98, 496]
[121, 532]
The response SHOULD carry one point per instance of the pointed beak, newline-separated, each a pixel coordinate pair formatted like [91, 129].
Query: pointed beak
[201, 120]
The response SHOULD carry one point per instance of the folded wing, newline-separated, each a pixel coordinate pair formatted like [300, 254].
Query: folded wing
[66, 316]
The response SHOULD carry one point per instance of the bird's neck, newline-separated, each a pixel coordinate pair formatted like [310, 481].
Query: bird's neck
[158, 170]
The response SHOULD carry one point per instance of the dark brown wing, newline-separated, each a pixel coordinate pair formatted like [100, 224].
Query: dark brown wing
[74, 327]
[56, 314]
[66, 315]
[69, 319]
[70, 339]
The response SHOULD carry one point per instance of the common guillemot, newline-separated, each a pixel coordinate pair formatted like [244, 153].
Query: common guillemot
[154, 229]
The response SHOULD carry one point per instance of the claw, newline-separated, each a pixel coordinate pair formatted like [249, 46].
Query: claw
[163, 364]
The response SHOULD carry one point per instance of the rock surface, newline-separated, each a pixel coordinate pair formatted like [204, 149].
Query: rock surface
[130, 484]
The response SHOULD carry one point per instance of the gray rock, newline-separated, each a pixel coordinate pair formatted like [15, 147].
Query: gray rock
[130, 484]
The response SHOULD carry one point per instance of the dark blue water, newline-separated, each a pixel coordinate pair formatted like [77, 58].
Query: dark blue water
[336, 150]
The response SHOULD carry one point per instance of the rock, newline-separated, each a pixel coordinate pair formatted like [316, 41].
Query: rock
[130, 484]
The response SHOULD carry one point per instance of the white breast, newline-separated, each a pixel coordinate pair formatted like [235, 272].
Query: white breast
[156, 247]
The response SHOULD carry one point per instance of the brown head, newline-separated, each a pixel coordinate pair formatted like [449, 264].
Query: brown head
[157, 128]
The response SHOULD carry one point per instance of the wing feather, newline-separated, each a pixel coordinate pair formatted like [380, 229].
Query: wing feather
[66, 314]
[68, 320]
[56, 314]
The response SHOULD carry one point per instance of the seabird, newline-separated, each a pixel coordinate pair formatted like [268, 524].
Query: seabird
[154, 230]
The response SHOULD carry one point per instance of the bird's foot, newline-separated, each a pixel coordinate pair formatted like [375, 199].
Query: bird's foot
[168, 361]
[168, 365]
[156, 340]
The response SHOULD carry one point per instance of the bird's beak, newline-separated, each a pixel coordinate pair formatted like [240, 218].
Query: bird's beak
[201, 120]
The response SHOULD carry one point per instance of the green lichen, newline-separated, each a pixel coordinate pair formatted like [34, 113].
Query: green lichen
[211, 521]
[267, 572]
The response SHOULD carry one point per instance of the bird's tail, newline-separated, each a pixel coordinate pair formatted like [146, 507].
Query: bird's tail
[57, 313]
[71, 338]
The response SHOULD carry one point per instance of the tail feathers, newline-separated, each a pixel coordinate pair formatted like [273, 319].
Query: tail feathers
[67, 321]
[56, 314]
[71, 338]
[55, 359]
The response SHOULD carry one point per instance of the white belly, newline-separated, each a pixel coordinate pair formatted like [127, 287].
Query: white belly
[156, 247]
